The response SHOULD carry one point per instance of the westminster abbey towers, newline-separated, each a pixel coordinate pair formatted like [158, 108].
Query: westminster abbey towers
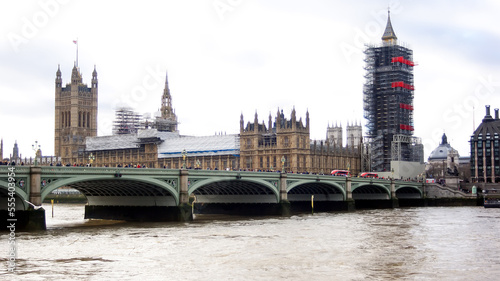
[75, 115]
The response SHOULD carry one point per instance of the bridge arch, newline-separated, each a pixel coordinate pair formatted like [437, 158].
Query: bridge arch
[228, 190]
[127, 190]
[371, 191]
[19, 197]
[322, 191]
[408, 191]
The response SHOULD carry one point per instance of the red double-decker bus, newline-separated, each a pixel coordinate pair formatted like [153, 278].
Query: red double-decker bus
[369, 175]
[341, 173]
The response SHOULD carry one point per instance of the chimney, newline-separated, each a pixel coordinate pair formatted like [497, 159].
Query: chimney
[488, 110]
[496, 114]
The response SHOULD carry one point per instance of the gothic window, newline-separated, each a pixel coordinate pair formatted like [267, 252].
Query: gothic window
[79, 119]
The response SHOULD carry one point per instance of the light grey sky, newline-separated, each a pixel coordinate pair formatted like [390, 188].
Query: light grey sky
[228, 57]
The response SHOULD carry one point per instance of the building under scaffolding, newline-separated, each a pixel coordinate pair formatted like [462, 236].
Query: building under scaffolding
[388, 103]
[126, 122]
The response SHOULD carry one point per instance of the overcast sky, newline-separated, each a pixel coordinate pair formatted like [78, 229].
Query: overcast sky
[230, 57]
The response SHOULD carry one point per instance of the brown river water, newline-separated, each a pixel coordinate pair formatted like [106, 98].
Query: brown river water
[434, 243]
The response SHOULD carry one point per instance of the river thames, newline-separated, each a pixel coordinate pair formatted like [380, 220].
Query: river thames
[434, 243]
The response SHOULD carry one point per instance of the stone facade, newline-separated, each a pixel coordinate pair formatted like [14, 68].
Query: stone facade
[282, 145]
[285, 145]
[75, 116]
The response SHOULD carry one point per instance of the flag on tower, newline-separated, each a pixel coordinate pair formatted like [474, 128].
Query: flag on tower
[76, 43]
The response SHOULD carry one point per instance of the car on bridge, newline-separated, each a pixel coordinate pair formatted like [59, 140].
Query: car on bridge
[369, 175]
[341, 173]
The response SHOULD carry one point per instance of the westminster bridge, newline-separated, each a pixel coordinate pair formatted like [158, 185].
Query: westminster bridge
[166, 194]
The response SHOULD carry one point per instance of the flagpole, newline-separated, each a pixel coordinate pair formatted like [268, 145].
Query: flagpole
[76, 42]
[76, 52]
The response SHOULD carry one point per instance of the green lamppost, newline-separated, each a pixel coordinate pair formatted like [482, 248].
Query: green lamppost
[283, 163]
[198, 163]
[36, 148]
[91, 158]
[184, 155]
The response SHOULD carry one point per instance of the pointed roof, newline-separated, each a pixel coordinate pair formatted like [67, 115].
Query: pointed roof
[389, 33]
[76, 76]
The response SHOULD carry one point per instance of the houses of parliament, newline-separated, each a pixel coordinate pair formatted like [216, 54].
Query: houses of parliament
[281, 144]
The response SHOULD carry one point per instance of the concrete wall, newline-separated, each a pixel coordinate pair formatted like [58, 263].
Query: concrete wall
[438, 191]
[404, 169]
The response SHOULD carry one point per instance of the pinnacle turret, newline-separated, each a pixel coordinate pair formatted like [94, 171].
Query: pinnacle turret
[389, 34]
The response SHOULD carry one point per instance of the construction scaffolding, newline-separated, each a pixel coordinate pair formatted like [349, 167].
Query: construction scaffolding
[388, 104]
[165, 124]
[407, 148]
[126, 121]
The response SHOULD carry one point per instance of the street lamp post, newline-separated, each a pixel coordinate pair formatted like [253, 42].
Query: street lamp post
[184, 155]
[91, 158]
[283, 160]
[36, 148]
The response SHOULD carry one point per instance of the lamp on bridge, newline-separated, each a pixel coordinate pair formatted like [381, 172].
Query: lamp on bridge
[198, 163]
[91, 158]
[36, 148]
[184, 155]
[283, 160]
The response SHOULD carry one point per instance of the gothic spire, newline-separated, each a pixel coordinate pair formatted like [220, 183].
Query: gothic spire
[76, 76]
[166, 101]
[389, 34]
[58, 77]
